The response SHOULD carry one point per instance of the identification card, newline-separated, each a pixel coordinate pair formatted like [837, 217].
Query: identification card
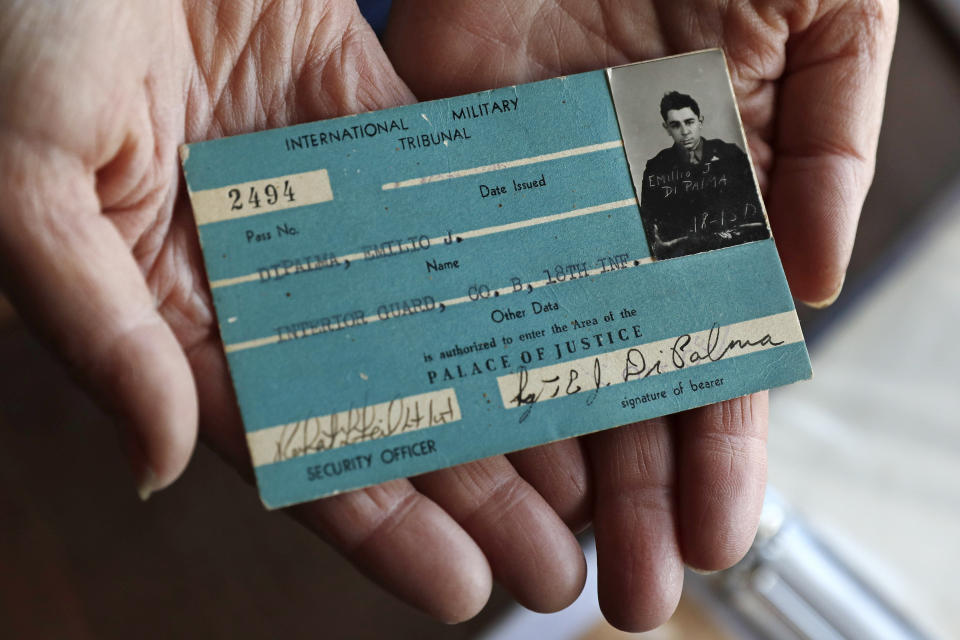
[410, 289]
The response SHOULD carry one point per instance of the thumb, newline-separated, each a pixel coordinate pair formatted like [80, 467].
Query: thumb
[74, 280]
[831, 104]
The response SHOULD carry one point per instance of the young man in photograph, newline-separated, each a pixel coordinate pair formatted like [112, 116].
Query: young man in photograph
[698, 194]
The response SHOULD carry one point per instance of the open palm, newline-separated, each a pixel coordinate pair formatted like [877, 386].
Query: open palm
[809, 79]
[99, 253]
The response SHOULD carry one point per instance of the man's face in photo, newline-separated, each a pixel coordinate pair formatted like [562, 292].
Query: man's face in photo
[684, 127]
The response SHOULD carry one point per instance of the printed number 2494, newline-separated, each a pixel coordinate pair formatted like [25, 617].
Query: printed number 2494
[271, 195]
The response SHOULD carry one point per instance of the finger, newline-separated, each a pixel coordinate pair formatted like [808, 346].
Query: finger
[639, 567]
[479, 53]
[531, 551]
[722, 472]
[408, 545]
[352, 70]
[395, 535]
[417, 30]
[558, 471]
[831, 103]
[71, 275]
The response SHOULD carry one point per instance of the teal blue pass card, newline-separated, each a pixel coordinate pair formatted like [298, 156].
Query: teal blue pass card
[409, 289]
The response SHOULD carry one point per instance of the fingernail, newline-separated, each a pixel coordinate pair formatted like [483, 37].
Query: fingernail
[146, 483]
[143, 475]
[829, 300]
[702, 572]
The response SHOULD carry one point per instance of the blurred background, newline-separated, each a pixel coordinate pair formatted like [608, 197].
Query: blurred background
[860, 531]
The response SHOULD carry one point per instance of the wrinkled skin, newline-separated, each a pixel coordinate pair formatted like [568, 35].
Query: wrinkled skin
[99, 254]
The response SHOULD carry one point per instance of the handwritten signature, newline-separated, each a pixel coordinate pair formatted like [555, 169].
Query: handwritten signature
[635, 363]
[360, 425]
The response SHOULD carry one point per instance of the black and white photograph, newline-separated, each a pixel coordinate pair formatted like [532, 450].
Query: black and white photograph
[687, 156]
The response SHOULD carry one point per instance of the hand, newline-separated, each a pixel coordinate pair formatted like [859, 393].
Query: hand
[810, 80]
[99, 253]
